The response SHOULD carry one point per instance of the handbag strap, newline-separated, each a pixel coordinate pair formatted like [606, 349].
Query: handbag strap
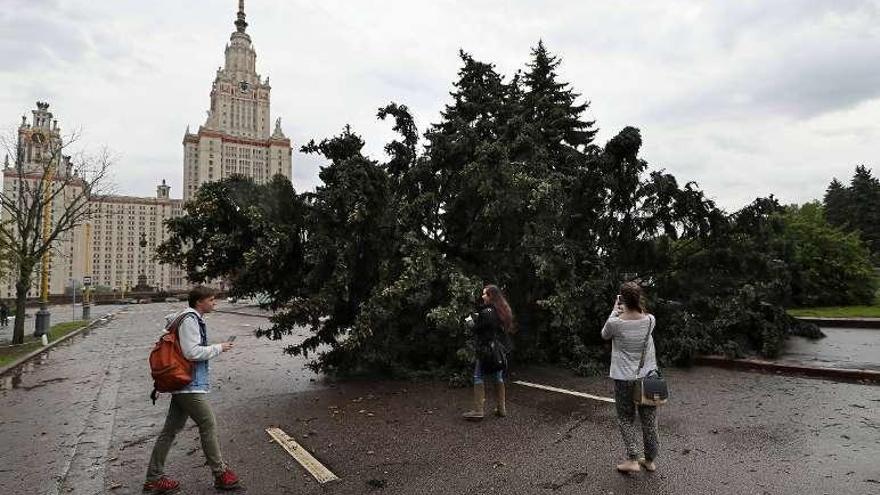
[645, 345]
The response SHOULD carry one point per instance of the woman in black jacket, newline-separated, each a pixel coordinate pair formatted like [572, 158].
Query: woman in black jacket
[491, 324]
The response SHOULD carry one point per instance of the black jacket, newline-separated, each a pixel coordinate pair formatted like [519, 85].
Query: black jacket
[487, 326]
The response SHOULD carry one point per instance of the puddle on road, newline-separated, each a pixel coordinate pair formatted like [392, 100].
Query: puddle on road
[14, 379]
[10, 381]
[41, 384]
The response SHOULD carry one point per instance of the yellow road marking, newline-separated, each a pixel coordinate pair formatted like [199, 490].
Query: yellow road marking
[312, 465]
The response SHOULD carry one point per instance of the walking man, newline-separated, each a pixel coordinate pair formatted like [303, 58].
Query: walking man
[192, 400]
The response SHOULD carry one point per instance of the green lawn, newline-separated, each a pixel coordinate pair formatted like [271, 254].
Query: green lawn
[9, 353]
[867, 311]
[872, 311]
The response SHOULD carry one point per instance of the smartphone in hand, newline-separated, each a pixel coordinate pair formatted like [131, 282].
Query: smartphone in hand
[231, 339]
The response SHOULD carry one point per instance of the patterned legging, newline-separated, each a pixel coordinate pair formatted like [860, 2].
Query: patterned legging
[626, 421]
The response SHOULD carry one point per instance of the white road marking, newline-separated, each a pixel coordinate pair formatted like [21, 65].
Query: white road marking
[312, 465]
[564, 391]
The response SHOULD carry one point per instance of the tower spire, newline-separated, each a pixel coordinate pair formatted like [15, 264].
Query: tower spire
[240, 23]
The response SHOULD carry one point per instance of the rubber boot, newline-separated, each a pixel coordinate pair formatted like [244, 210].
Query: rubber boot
[501, 397]
[479, 403]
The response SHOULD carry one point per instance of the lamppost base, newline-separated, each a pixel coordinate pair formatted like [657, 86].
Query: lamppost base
[87, 311]
[41, 321]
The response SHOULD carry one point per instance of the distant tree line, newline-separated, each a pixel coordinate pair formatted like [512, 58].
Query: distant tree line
[382, 261]
[856, 208]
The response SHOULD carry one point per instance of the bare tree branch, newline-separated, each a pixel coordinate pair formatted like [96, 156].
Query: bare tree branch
[51, 193]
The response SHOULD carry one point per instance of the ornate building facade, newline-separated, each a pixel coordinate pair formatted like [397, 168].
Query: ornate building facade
[236, 137]
[38, 149]
[117, 246]
[125, 232]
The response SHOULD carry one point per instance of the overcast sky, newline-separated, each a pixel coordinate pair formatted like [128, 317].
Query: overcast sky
[747, 98]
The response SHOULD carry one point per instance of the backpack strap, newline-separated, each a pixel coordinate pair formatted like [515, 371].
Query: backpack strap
[175, 323]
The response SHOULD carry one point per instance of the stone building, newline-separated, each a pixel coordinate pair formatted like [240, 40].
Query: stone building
[38, 147]
[236, 137]
[125, 233]
[117, 246]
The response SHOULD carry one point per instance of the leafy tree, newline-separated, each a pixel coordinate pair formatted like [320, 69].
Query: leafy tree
[864, 207]
[857, 207]
[550, 121]
[828, 266]
[350, 235]
[837, 204]
[252, 235]
[509, 189]
[727, 291]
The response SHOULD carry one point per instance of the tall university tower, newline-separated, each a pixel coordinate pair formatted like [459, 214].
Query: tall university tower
[236, 137]
[117, 246]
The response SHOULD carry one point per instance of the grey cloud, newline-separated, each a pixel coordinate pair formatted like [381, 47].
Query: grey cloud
[734, 95]
[800, 62]
[802, 82]
[51, 35]
[30, 43]
[818, 79]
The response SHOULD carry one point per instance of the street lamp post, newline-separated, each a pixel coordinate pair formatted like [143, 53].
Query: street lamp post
[87, 292]
[142, 266]
[41, 322]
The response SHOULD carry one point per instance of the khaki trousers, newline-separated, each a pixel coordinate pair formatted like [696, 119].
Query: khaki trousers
[184, 406]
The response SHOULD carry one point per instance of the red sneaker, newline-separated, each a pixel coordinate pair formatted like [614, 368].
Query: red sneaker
[227, 480]
[161, 485]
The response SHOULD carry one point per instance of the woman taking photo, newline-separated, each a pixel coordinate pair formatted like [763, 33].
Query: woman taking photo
[627, 328]
[491, 324]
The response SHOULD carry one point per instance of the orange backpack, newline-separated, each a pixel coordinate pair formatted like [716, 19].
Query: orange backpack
[170, 369]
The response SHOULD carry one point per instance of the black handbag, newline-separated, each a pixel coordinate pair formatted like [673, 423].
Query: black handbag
[650, 390]
[493, 357]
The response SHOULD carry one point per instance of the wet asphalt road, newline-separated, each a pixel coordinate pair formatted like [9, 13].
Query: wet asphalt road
[80, 421]
[853, 348]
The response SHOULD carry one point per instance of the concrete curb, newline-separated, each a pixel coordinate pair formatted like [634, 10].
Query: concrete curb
[843, 322]
[27, 357]
[840, 374]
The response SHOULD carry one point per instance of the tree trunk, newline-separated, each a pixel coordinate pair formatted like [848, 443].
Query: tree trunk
[21, 292]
